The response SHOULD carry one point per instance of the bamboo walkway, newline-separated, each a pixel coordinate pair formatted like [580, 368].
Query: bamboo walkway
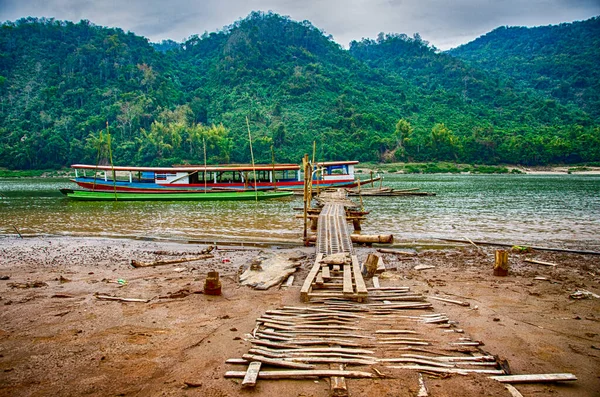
[335, 259]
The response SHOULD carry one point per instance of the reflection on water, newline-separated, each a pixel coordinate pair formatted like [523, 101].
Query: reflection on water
[525, 209]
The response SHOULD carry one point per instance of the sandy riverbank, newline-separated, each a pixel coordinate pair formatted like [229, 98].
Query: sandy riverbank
[57, 338]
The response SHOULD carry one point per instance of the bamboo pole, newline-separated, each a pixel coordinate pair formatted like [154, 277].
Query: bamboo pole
[112, 166]
[252, 157]
[305, 167]
[204, 144]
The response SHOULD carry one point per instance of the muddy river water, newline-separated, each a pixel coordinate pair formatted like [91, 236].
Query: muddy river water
[545, 210]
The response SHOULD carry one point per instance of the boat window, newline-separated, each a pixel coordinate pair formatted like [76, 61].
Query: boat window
[163, 177]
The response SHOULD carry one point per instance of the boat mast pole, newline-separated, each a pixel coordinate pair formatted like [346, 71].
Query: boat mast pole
[252, 157]
[97, 161]
[204, 143]
[307, 171]
[273, 163]
[112, 166]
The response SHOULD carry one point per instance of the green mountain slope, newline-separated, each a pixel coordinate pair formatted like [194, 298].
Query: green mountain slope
[283, 80]
[558, 61]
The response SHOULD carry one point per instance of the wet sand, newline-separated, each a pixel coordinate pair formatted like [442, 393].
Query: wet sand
[57, 338]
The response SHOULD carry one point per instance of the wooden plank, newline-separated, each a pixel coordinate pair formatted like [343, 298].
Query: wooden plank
[319, 279]
[375, 280]
[302, 374]
[361, 288]
[348, 280]
[535, 378]
[236, 361]
[390, 288]
[325, 272]
[290, 281]
[251, 374]
[338, 385]
[307, 286]
[380, 266]
[406, 298]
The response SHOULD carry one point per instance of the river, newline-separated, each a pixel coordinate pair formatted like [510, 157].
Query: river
[548, 210]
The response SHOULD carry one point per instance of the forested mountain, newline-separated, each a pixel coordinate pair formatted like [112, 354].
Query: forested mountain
[395, 98]
[558, 61]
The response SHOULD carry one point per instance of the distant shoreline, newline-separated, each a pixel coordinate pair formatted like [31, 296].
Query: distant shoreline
[445, 168]
[387, 168]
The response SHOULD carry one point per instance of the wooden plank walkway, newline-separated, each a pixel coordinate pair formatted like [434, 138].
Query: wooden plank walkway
[333, 239]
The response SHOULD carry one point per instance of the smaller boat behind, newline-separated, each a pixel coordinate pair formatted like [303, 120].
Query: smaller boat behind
[84, 195]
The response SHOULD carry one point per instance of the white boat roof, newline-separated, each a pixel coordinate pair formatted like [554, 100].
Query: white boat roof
[331, 163]
[188, 168]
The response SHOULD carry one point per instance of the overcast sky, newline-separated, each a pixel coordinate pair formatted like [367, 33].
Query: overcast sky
[444, 23]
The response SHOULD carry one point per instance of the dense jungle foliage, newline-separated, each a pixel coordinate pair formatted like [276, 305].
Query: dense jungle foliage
[392, 99]
[548, 59]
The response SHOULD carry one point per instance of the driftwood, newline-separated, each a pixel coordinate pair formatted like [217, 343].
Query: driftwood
[535, 378]
[449, 370]
[116, 298]
[396, 252]
[512, 390]
[137, 264]
[276, 362]
[422, 388]
[269, 269]
[416, 361]
[302, 374]
[539, 262]
[450, 301]
[452, 359]
[334, 360]
[423, 267]
[289, 281]
[529, 246]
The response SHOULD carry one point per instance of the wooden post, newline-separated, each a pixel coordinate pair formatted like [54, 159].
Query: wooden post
[501, 264]
[212, 285]
[370, 266]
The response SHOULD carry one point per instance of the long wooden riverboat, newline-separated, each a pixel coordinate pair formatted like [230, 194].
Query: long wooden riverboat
[86, 195]
[194, 179]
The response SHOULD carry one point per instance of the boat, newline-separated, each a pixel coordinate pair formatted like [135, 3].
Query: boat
[214, 178]
[87, 195]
